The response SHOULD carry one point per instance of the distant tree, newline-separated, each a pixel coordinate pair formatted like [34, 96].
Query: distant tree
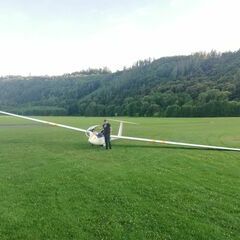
[172, 111]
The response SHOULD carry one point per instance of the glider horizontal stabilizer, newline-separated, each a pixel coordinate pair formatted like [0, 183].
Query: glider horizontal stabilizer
[121, 121]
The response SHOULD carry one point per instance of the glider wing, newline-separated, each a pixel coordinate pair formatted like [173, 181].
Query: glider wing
[175, 143]
[44, 122]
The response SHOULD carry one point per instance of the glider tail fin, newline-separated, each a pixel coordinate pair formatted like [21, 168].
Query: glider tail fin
[120, 130]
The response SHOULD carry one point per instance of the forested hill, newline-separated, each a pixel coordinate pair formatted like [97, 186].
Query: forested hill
[197, 85]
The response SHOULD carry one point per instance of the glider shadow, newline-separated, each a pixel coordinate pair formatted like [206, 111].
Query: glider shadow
[166, 147]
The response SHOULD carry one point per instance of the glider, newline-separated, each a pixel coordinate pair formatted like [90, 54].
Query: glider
[96, 138]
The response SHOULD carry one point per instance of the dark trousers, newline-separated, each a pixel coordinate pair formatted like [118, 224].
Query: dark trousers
[107, 141]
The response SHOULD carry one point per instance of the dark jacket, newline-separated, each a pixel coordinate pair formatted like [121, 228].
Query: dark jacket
[106, 128]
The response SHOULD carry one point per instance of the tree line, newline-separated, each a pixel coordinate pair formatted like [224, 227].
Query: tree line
[199, 85]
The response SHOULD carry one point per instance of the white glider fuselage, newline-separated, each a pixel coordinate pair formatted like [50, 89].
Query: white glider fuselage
[96, 139]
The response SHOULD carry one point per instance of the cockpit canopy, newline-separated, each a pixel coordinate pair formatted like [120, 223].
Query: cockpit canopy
[93, 129]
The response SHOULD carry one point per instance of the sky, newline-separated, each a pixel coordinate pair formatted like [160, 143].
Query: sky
[53, 37]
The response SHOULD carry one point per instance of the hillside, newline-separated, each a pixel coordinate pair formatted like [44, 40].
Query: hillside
[183, 86]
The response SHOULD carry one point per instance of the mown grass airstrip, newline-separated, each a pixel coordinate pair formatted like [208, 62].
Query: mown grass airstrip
[54, 185]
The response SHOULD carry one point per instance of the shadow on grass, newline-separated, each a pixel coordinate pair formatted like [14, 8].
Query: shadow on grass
[86, 146]
[167, 147]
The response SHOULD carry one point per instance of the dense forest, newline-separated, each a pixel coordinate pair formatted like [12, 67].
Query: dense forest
[199, 85]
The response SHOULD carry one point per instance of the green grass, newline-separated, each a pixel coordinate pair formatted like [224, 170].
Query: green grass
[54, 185]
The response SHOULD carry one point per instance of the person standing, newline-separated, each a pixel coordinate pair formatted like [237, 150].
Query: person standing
[107, 133]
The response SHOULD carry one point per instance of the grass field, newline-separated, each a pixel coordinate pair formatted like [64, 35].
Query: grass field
[54, 185]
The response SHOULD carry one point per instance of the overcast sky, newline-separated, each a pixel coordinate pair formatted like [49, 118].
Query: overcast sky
[59, 36]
